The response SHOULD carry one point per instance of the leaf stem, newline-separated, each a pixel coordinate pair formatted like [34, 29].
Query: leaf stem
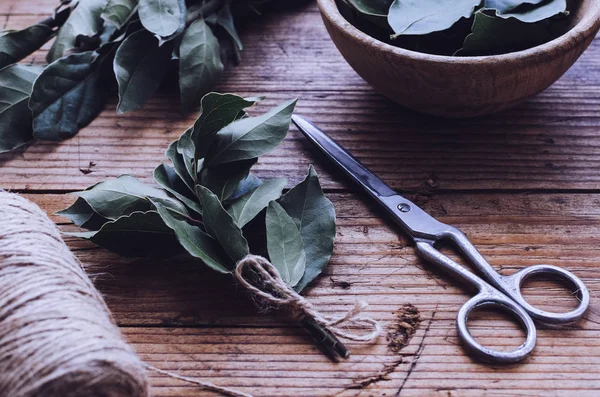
[328, 342]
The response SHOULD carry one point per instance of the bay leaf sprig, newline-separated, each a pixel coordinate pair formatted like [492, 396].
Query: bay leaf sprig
[208, 204]
[127, 47]
[459, 27]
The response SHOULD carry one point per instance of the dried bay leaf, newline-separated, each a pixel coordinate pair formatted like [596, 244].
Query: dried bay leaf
[284, 244]
[15, 46]
[248, 206]
[251, 137]
[164, 18]
[69, 94]
[527, 11]
[119, 12]
[140, 66]
[315, 215]
[16, 82]
[199, 63]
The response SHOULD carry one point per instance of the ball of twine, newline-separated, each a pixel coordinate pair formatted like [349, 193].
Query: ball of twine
[57, 337]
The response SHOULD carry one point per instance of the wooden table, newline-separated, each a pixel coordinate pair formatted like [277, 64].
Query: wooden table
[525, 185]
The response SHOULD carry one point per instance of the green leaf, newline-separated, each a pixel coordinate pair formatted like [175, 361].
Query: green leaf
[137, 234]
[247, 207]
[251, 137]
[225, 20]
[82, 215]
[419, 17]
[220, 225]
[378, 8]
[316, 220]
[200, 63]
[223, 180]
[217, 111]
[140, 66]
[529, 11]
[185, 147]
[164, 18]
[16, 82]
[123, 195]
[492, 35]
[69, 94]
[284, 244]
[167, 177]
[119, 12]
[15, 46]
[179, 164]
[195, 241]
[245, 186]
[84, 20]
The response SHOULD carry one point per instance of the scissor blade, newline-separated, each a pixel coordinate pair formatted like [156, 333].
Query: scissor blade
[343, 159]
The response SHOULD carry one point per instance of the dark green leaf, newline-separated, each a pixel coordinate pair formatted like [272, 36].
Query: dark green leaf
[196, 242]
[167, 177]
[225, 20]
[179, 164]
[223, 180]
[119, 12]
[251, 137]
[15, 46]
[247, 207]
[164, 18]
[200, 63]
[69, 94]
[492, 35]
[185, 147]
[418, 17]
[284, 244]
[316, 220]
[81, 214]
[140, 66]
[220, 225]
[84, 20]
[16, 82]
[123, 195]
[527, 11]
[138, 234]
[245, 186]
[372, 7]
[217, 111]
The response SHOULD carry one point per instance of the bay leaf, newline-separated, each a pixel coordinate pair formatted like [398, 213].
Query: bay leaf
[315, 215]
[224, 179]
[284, 244]
[420, 17]
[16, 82]
[140, 66]
[167, 177]
[199, 63]
[251, 137]
[16, 45]
[119, 12]
[493, 35]
[372, 7]
[114, 198]
[187, 150]
[248, 206]
[83, 215]
[85, 20]
[179, 164]
[225, 20]
[197, 243]
[245, 186]
[135, 235]
[529, 11]
[217, 111]
[164, 18]
[69, 94]
[221, 226]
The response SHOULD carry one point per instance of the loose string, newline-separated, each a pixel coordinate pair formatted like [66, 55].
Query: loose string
[257, 275]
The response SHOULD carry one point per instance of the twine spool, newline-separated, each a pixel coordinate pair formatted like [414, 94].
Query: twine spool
[57, 337]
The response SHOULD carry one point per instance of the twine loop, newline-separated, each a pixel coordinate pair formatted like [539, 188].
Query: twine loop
[257, 275]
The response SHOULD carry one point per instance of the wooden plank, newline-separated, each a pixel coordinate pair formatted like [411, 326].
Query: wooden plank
[549, 143]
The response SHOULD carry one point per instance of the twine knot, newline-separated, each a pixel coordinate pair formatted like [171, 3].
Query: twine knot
[264, 282]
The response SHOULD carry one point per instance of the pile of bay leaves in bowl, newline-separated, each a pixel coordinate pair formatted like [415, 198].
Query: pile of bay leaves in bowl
[461, 58]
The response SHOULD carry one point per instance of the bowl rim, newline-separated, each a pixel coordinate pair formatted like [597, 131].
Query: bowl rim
[588, 24]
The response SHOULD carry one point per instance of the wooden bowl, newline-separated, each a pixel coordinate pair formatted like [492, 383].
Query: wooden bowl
[461, 87]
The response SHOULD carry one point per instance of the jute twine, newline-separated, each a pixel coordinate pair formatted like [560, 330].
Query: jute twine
[257, 275]
[57, 337]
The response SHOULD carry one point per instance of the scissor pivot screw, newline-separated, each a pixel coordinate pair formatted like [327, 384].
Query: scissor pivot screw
[403, 207]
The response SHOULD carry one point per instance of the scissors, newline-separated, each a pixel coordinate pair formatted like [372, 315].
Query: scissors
[497, 291]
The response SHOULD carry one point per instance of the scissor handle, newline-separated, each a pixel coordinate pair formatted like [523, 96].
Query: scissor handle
[491, 298]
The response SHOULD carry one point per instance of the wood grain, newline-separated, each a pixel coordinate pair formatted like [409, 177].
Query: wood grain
[524, 185]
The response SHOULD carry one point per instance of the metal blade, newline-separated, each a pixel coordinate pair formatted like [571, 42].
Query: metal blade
[355, 170]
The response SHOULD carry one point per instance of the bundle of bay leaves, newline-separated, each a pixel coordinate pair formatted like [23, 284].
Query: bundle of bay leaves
[209, 205]
[104, 44]
[459, 27]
